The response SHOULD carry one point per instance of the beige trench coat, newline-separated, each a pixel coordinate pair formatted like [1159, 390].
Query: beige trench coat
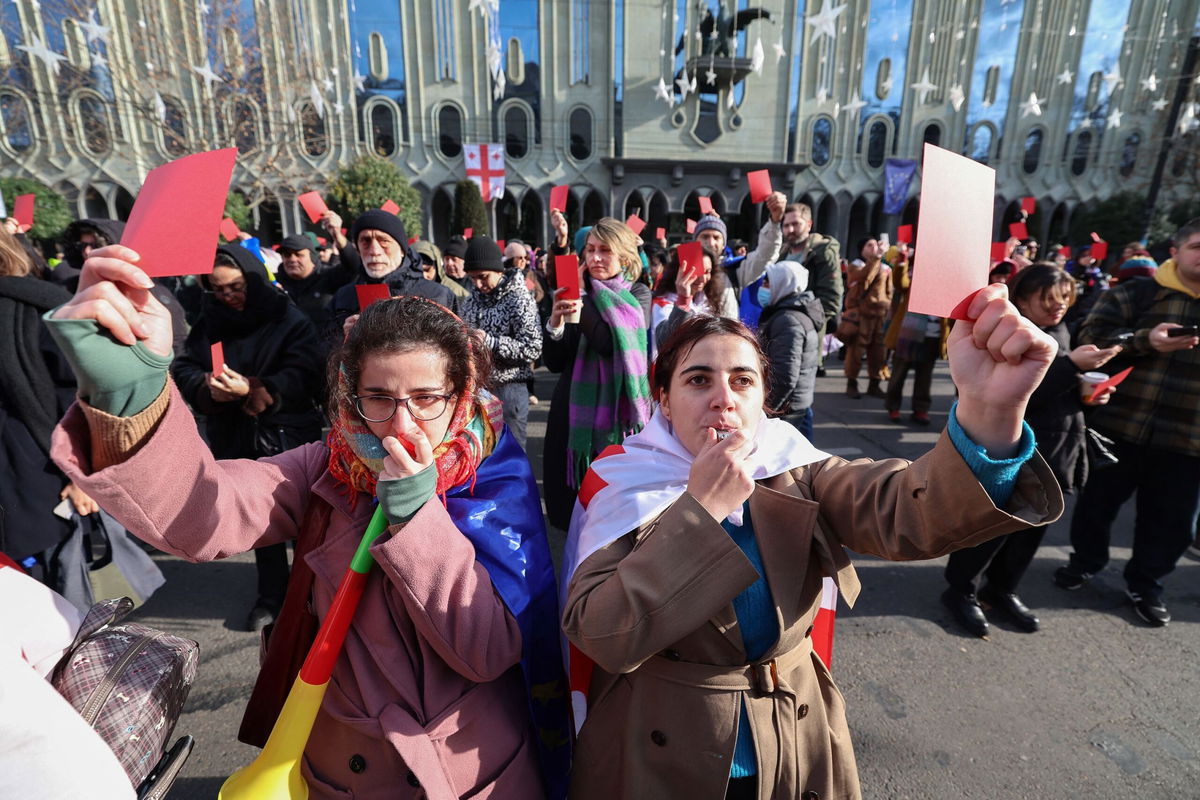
[654, 611]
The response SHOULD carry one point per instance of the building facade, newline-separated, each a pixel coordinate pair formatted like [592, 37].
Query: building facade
[640, 106]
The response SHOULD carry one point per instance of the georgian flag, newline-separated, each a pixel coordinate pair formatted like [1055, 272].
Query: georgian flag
[631, 483]
[485, 166]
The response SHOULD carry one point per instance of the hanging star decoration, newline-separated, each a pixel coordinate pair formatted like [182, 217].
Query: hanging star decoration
[885, 88]
[730, 100]
[710, 77]
[359, 81]
[756, 58]
[661, 92]
[780, 53]
[338, 108]
[47, 56]
[684, 85]
[1150, 84]
[93, 30]
[1112, 79]
[1114, 118]
[1159, 104]
[160, 108]
[205, 8]
[314, 94]
[824, 23]
[1087, 123]
[98, 60]
[1031, 106]
[328, 84]
[210, 77]
[822, 95]
[923, 87]
[956, 96]
[1065, 77]
[855, 105]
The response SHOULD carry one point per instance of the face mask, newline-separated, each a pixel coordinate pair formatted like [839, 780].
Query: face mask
[764, 296]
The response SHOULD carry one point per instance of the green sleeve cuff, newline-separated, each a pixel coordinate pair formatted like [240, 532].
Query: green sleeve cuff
[116, 378]
[402, 498]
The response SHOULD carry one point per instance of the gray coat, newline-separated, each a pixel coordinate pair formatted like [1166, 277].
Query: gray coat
[790, 334]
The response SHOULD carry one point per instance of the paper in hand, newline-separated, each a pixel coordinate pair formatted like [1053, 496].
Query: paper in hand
[636, 224]
[218, 359]
[566, 276]
[760, 185]
[314, 206]
[370, 292]
[558, 198]
[705, 204]
[691, 259]
[229, 230]
[23, 210]
[390, 207]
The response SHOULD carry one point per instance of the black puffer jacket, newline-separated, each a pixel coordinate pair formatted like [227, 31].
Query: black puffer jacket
[271, 342]
[789, 332]
[508, 317]
[1055, 412]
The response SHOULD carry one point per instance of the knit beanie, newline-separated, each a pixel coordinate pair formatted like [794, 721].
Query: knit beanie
[378, 220]
[483, 254]
[456, 247]
[710, 222]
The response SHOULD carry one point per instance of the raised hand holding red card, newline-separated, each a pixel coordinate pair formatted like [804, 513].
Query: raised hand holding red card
[635, 223]
[705, 204]
[229, 230]
[390, 207]
[23, 210]
[760, 185]
[691, 259]
[314, 206]
[218, 359]
[558, 198]
[566, 276]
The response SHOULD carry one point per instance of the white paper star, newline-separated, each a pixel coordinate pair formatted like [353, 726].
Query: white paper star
[855, 105]
[956, 96]
[1087, 123]
[204, 8]
[1159, 104]
[333, 71]
[1031, 106]
[730, 100]
[150, 66]
[822, 94]
[160, 108]
[1150, 84]
[314, 94]
[661, 92]
[885, 88]
[94, 30]
[328, 84]
[475, 5]
[1112, 79]
[710, 77]
[684, 85]
[44, 54]
[780, 53]
[359, 80]
[98, 60]
[1066, 76]
[923, 87]
[824, 22]
[716, 34]
[958, 35]
[338, 108]
[1114, 118]
[210, 77]
[756, 58]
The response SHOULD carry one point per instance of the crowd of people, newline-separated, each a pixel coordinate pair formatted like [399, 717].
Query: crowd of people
[679, 458]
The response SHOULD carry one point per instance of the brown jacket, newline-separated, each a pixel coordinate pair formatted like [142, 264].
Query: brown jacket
[870, 291]
[654, 610]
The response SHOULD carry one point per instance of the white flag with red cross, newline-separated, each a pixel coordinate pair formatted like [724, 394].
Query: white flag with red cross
[485, 166]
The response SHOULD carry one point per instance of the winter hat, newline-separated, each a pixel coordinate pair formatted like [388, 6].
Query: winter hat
[377, 220]
[710, 222]
[483, 254]
[295, 243]
[456, 247]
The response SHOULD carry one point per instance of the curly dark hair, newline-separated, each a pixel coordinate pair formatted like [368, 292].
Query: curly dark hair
[403, 324]
[714, 288]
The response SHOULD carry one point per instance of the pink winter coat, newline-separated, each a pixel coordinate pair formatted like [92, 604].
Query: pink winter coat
[427, 699]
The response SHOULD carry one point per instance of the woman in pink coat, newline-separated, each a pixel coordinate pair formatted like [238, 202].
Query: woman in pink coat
[431, 696]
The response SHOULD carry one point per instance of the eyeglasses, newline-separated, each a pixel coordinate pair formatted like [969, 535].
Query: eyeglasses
[382, 407]
[232, 288]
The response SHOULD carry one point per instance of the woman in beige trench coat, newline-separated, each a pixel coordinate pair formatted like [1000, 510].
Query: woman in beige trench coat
[694, 574]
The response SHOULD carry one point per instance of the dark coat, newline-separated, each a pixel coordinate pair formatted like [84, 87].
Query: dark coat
[559, 356]
[1055, 412]
[406, 279]
[789, 332]
[271, 341]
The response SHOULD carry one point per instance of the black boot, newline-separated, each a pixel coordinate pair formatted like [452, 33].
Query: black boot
[1012, 606]
[967, 612]
[852, 389]
[873, 388]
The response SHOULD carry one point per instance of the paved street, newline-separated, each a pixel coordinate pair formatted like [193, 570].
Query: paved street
[1095, 705]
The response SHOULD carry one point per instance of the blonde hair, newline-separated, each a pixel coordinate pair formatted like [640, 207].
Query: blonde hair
[621, 239]
[14, 261]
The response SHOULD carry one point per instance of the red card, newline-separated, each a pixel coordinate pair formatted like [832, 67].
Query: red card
[413, 239]
[229, 230]
[691, 226]
[218, 359]
[389, 207]
[370, 292]
[1064, 251]
[705, 204]
[500, 244]
[660, 233]
[1028, 204]
[760, 185]
[691, 258]
[1112, 381]
[321, 240]
[635, 223]
[178, 213]
[314, 205]
[955, 222]
[904, 234]
[468, 233]
[558, 198]
[23, 210]
[1018, 230]
[999, 251]
[566, 275]
[1100, 251]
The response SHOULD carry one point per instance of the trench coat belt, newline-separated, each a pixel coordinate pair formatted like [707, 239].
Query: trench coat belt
[763, 677]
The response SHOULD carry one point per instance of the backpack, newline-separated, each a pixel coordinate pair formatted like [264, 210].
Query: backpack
[129, 682]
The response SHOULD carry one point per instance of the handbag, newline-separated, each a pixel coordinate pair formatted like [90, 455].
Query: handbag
[99, 561]
[1100, 449]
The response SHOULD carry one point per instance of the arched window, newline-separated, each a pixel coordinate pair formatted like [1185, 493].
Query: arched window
[877, 143]
[175, 139]
[383, 129]
[933, 134]
[312, 126]
[450, 131]
[883, 78]
[1083, 147]
[981, 144]
[377, 57]
[581, 134]
[516, 132]
[245, 127]
[14, 115]
[93, 115]
[1033, 151]
[822, 141]
[1129, 154]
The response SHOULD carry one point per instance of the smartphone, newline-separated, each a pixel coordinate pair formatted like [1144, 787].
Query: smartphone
[884, 241]
[1120, 339]
[1190, 330]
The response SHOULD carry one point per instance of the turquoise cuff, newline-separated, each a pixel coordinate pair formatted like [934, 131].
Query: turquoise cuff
[115, 378]
[998, 477]
[402, 498]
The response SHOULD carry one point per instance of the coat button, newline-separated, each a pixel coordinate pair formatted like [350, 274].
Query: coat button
[672, 655]
[357, 763]
[810, 796]
[802, 711]
[808, 632]
[659, 738]
[412, 780]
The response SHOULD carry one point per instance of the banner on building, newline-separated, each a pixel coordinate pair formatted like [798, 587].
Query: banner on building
[897, 176]
[485, 166]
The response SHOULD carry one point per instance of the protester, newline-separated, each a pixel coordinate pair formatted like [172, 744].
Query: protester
[265, 400]
[603, 393]
[452, 260]
[501, 307]
[704, 293]
[917, 341]
[36, 387]
[1154, 422]
[695, 573]
[433, 268]
[1002, 272]
[1139, 265]
[818, 254]
[868, 300]
[428, 692]
[787, 329]
[310, 285]
[1042, 293]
